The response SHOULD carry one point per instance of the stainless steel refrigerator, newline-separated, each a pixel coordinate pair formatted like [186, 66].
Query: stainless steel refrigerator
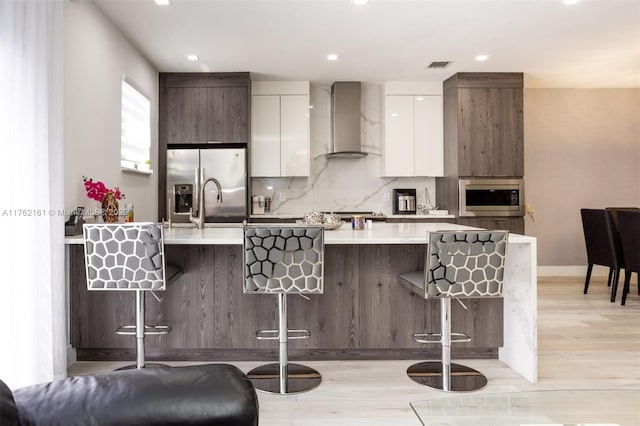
[186, 170]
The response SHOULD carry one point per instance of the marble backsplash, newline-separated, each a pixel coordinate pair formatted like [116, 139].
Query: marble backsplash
[342, 184]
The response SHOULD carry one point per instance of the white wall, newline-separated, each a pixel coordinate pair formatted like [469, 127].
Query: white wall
[582, 150]
[96, 58]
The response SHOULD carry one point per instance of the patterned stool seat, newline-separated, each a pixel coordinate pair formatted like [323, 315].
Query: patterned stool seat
[458, 264]
[283, 260]
[129, 257]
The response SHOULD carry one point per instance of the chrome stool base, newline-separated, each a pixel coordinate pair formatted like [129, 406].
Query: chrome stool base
[146, 365]
[461, 378]
[300, 378]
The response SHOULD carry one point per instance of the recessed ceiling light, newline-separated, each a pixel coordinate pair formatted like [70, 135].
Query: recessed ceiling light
[395, 114]
[567, 2]
[332, 57]
[419, 98]
[310, 106]
[192, 57]
[360, 2]
[162, 2]
[482, 57]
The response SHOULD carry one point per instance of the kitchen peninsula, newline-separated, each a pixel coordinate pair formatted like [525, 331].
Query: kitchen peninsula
[363, 314]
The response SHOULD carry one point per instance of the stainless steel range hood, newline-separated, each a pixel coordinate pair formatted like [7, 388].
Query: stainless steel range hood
[345, 121]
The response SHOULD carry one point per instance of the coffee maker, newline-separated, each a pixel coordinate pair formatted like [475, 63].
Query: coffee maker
[404, 201]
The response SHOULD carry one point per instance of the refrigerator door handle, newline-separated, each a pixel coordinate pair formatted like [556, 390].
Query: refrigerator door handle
[196, 196]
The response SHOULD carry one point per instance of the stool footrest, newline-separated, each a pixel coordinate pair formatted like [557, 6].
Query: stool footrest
[430, 338]
[130, 330]
[274, 335]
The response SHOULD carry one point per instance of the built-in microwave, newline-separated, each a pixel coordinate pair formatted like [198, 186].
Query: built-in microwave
[491, 197]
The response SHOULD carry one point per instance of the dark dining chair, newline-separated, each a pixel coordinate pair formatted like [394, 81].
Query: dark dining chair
[614, 212]
[603, 246]
[629, 230]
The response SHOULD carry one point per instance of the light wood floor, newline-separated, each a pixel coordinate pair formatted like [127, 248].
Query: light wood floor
[584, 341]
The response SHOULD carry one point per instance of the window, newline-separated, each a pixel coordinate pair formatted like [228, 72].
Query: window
[135, 138]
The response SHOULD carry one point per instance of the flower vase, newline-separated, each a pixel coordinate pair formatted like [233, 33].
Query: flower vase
[110, 208]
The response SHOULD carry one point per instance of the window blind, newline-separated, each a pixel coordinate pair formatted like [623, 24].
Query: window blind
[135, 138]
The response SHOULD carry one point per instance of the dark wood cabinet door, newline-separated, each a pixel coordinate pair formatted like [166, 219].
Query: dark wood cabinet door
[228, 114]
[511, 224]
[186, 115]
[490, 132]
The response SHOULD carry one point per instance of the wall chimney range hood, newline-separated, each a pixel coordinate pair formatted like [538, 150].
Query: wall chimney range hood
[345, 121]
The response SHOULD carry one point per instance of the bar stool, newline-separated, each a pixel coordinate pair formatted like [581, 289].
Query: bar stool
[458, 265]
[129, 257]
[283, 260]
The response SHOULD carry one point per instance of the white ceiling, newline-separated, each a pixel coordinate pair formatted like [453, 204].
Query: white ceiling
[595, 43]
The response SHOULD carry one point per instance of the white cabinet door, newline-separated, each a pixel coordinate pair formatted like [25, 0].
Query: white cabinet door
[265, 136]
[399, 136]
[429, 159]
[294, 135]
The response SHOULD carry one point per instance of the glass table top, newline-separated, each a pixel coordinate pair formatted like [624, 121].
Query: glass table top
[559, 407]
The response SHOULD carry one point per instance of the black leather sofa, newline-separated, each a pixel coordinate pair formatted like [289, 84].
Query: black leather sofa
[211, 394]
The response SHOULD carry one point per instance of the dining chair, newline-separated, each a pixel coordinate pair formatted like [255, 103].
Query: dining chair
[603, 246]
[629, 229]
[614, 212]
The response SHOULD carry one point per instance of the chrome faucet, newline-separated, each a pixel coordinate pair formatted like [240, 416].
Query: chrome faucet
[199, 221]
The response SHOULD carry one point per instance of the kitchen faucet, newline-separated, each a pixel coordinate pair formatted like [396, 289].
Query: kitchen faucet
[199, 221]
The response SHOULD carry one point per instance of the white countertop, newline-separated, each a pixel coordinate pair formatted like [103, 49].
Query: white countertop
[420, 216]
[381, 233]
[392, 216]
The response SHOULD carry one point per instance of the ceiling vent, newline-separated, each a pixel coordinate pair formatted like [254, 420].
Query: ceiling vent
[439, 64]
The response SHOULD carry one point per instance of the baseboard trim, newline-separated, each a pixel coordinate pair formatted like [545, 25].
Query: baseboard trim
[72, 355]
[157, 354]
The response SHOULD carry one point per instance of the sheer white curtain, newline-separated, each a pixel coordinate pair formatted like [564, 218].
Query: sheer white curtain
[32, 292]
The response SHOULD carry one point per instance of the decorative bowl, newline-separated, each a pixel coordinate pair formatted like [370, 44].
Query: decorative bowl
[326, 226]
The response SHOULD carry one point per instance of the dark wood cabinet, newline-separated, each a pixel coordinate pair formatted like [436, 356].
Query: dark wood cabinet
[484, 131]
[228, 114]
[186, 115]
[490, 132]
[200, 108]
[204, 108]
[363, 313]
[483, 137]
[511, 224]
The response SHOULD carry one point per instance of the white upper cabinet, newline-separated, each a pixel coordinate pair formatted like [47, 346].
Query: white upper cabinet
[413, 143]
[280, 128]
